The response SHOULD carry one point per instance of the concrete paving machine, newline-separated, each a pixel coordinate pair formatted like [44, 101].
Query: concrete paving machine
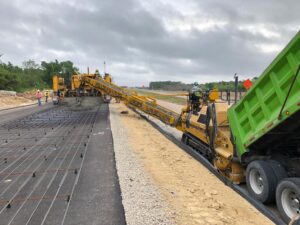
[59, 89]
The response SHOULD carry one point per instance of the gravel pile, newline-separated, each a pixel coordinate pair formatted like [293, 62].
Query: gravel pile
[142, 202]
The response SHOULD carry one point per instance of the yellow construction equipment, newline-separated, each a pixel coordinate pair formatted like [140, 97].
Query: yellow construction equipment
[203, 121]
[59, 89]
[78, 84]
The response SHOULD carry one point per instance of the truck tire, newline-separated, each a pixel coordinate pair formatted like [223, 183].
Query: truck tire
[288, 199]
[278, 169]
[261, 181]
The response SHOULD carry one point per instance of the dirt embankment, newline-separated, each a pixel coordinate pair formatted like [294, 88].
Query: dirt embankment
[8, 100]
[195, 194]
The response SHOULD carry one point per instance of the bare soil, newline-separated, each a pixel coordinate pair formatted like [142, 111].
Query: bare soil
[13, 101]
[169, 105]
[20, 99]
[194, 193]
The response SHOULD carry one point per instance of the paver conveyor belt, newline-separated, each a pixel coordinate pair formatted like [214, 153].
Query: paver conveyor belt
[131, 98]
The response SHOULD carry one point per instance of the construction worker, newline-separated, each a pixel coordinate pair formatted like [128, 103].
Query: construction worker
[195, 95]
[97, 74]
[39, 96]
[47, 95]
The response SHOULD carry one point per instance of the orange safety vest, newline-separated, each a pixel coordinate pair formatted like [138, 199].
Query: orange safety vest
[38, 95]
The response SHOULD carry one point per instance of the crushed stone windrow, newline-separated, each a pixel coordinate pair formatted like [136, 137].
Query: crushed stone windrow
[143, 204]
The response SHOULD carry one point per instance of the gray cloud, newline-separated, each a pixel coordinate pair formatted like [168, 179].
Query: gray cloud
[144, 40]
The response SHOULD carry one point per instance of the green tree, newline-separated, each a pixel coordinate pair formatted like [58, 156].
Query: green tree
[64, 69]
[8, 81]
[32, 75]
[30, 64]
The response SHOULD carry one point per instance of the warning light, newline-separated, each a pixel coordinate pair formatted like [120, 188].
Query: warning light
[247, 84]
[287, 113]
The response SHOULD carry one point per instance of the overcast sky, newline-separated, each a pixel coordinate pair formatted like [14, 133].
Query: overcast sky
[150, 40]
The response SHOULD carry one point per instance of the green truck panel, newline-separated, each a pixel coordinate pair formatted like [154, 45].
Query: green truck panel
[257, 112]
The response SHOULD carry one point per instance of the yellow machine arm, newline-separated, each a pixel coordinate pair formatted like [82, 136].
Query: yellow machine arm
[203, 121]
[132, 99]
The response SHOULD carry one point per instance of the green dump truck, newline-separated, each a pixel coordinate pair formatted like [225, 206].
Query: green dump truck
[265, 127]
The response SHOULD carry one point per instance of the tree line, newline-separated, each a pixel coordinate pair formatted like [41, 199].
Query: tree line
[179, 86]
[32, 75]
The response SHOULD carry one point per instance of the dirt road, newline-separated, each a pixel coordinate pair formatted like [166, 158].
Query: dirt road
[196, 195]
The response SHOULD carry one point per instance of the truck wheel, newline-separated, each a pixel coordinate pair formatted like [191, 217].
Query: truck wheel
[278, 169]
[261, 181]
[288, 199]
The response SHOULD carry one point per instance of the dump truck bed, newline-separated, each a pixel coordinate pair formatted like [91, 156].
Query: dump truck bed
[255, 120]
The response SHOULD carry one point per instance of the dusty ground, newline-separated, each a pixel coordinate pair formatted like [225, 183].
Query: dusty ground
[9, 101]
[163, 92]
[28, 95]
[166, 96]
[191, 191]
[169, 105]
[12, 101]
